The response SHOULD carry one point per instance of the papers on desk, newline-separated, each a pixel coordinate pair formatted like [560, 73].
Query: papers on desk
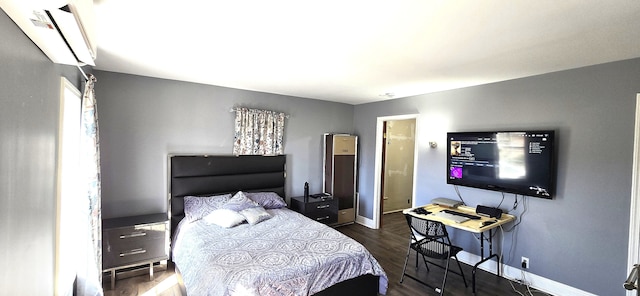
[452, 217]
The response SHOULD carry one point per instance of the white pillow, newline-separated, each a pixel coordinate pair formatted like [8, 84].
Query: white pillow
[224, 217]
[255, 215]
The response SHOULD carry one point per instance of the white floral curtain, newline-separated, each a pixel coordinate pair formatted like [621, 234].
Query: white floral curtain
[89, 277]
[258, 132]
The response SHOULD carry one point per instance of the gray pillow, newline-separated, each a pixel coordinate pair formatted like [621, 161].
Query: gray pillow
[255, 215]
[239, 202]
[196, 207]
[268, 200]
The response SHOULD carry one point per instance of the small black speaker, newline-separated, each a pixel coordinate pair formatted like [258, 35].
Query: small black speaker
[488, 211]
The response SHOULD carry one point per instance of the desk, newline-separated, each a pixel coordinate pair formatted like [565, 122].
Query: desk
[474, 226]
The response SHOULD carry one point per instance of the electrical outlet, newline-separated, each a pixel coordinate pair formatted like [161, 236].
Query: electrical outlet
[525, 263]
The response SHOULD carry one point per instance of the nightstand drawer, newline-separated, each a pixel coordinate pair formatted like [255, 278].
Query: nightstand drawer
[133, 251]
[134, 233]
[321, 207]
[321, 210]
[323, 217]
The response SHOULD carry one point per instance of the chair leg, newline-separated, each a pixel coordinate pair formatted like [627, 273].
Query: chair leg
[406, 259]
[461, 273]
[423, 259]
[444, 280]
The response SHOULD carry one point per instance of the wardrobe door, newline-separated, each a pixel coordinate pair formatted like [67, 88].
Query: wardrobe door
[340, 173]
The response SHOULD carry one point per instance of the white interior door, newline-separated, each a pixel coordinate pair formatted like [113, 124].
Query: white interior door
[377, 182]
[634, 220]
[398, 168]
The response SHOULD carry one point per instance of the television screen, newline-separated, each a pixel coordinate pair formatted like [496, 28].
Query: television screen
[520, 162]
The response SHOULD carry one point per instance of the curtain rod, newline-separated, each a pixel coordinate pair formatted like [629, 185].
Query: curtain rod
[86, 78]
[234, 109]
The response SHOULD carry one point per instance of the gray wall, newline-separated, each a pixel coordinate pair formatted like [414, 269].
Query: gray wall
[143, 119]
[29, 107]
[580, 237]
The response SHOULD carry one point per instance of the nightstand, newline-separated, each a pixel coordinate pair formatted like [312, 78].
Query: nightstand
[323, 210]
[134, 241]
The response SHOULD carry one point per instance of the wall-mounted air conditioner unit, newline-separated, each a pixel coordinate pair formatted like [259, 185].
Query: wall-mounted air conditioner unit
[63, 29]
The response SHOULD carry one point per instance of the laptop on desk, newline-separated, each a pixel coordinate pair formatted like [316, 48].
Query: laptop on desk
[441, 201]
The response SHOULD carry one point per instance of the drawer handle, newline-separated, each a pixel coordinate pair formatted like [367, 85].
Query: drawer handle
[133, 234]
[322, 206]
[322, 218]
[133, 252]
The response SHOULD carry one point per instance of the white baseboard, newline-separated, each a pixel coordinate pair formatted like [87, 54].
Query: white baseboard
[512, 273]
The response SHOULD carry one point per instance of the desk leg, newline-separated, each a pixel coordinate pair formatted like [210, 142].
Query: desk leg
[485, 259]
[491, 252]
[473, 278]
[491, 242]
[475, 267]
[482, 244]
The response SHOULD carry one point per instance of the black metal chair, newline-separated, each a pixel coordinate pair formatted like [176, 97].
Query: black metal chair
[430, 239]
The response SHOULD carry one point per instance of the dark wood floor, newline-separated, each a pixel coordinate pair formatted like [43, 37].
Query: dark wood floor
[388, 245]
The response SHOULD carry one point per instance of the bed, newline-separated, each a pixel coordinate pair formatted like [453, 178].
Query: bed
[274, 251]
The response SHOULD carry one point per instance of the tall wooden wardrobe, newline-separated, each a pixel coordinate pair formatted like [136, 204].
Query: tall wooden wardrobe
[340, 173]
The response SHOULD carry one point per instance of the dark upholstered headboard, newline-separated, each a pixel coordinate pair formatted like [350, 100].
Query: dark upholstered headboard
[202, 175]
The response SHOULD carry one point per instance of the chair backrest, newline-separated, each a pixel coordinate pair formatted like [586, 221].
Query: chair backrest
[434, 230]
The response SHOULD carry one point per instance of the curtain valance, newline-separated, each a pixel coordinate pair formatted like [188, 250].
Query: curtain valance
[258, 132]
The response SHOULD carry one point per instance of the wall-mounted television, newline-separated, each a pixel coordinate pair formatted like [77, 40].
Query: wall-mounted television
[520, 162]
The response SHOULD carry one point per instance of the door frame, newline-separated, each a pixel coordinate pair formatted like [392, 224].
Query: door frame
[377, 182]
[67, 169]
[634, 215]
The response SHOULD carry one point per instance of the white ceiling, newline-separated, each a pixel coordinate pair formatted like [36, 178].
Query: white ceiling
[356, 51]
